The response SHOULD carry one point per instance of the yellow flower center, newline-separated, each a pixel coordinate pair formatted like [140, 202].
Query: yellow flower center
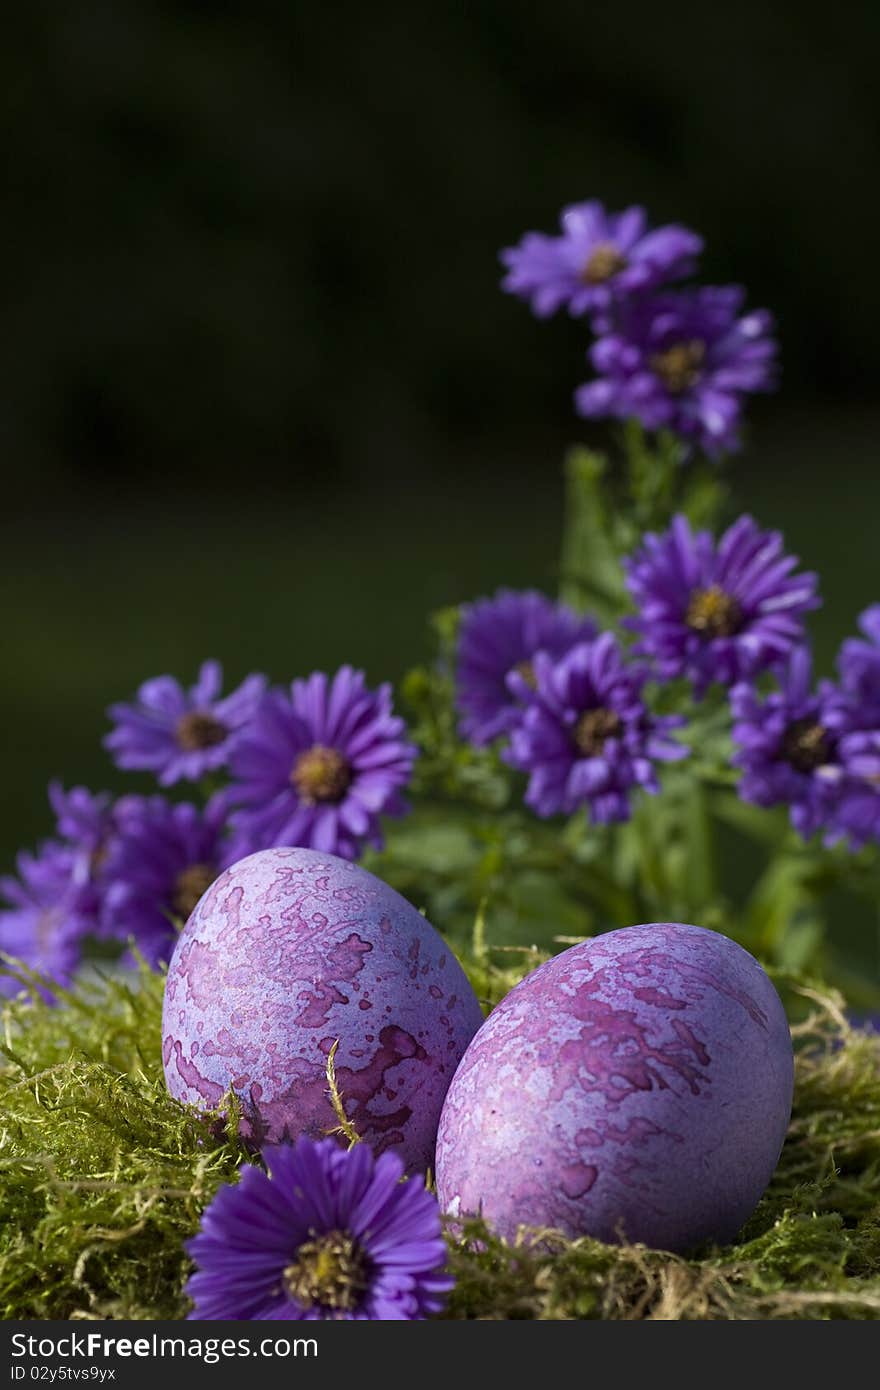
[604, 261]
[593, 728]
[526, 670]
[197, 730]
[321, 774]
[713, 613]
[679, 366]
[189, 886]
[805, 745]
[329, 1270]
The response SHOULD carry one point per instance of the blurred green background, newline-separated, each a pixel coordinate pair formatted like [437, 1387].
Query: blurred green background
[262, 398]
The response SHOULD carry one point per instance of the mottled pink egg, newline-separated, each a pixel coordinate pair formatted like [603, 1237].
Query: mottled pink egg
[289, 951]
[636, 1086]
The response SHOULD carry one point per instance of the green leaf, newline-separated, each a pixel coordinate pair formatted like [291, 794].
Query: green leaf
[440, 848]
[591, 574]
[767, 826]
[781, 903]
[700, 870]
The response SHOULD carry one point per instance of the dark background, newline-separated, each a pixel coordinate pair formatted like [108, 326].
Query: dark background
[260, 396]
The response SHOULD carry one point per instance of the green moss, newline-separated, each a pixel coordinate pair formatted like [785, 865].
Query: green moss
[102, 1174]
[103, 1177]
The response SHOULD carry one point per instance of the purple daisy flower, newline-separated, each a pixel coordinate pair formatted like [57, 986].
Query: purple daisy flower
[83, 818]
[85, 821]
[499, 637]
[599, 257]
[586, 737]
[857, 811]
[41, 925]
[682, 361]
[318, 767]
[182, 734]
[717, 611]
[858, 665]
[329, 1234]
[55, 901]
[788, 745]
[160, 861]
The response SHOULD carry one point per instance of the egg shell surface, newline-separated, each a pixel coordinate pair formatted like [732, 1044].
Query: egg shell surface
[290, 950]
[636, 1086]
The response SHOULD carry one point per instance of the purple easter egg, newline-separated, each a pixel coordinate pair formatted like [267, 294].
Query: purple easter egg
[290, 950]
[637, 1086]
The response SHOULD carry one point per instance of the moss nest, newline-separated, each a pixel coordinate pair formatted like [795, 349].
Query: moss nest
[103, 1177]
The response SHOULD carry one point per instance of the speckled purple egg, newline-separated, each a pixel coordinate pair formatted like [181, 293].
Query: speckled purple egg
[290, 950]
[637, 1086]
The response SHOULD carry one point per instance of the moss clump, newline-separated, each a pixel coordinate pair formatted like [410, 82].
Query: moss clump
[103, 1177]
[102, 1174]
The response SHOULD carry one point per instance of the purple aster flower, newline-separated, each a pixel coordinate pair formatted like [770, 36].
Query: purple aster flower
[788, 745]
[85, 822]
[318, 767]
[83, 818]
[182, 734]
[41, 925]
[160, 860]
[55, 901]
[857, 812]
[329, 1234]
[717, 611]
[499, 637]
[599, 258]
[858, 664]
[682, 361]
[586, 737]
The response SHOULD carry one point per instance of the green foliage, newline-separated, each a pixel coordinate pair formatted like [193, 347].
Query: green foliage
[591, 576]
[103, 1177]
[448, 768]
[608, 509]
[693, 853]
